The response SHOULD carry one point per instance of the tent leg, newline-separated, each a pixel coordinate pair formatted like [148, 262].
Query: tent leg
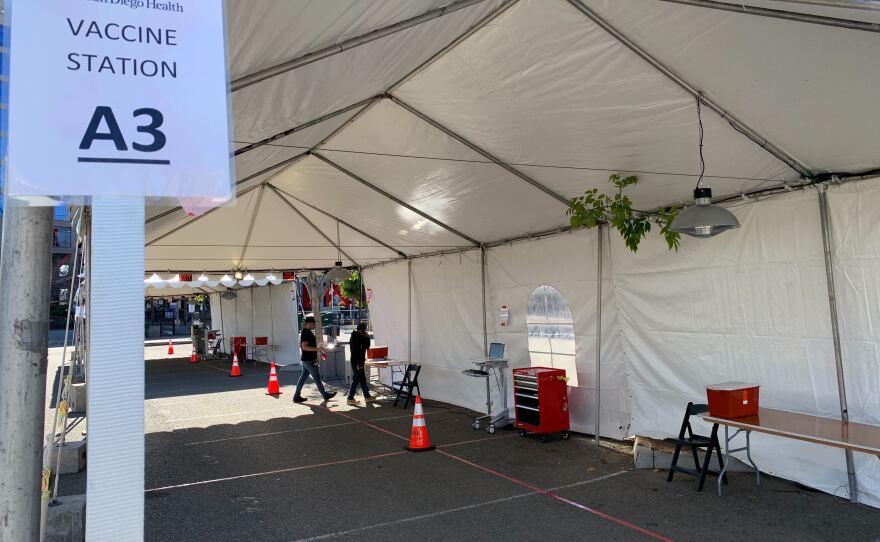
[485, 328]
[598, 328]
[835, 335]
[409, 306]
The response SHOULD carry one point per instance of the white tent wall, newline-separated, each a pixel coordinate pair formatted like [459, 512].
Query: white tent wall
[855, 220]
[751, 305]
[568, 263]
[389, 307]
[448, 327]
[251, 315]
[447, 320]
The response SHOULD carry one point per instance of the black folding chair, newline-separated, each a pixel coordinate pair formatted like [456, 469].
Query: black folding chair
[409, 382]
[686, 437]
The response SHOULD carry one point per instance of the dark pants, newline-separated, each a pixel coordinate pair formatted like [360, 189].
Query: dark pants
[310, 368]
[358, 377]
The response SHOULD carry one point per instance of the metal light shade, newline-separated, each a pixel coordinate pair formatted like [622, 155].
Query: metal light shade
[338, 273]
[703, 219]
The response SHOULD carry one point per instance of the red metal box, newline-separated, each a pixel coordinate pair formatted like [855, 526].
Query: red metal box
[732, 399]
[541, 400]
[239, 346]
[377, 352]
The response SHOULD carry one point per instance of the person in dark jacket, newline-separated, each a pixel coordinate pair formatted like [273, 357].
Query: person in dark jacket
[360, 342]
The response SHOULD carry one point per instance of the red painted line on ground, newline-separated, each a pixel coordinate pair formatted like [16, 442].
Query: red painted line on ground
[559, 498]
[368, 424]
[536, 489]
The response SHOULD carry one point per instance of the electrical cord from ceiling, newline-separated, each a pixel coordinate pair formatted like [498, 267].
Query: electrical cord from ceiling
[700, 123]
[517, 164]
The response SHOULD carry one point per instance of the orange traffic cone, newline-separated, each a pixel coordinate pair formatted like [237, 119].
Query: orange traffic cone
[236, 371]
[418, 440]
[170, 348]
[273, 382]
[194, 358]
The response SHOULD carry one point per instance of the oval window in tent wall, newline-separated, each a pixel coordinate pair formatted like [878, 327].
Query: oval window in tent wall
[551, 332]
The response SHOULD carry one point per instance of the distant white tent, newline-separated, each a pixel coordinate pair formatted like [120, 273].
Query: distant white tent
[378, 133]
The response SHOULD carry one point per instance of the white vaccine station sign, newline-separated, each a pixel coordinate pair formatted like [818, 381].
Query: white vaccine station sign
[119, 98]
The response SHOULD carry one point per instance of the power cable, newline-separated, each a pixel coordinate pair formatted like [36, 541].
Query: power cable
[516, 164]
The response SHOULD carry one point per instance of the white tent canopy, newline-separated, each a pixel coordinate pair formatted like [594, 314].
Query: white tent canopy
[391, 135]
[375, 132]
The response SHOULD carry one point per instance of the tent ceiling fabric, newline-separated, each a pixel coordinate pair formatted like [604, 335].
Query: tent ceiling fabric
[541, 87]
[299, 96]
[806, 87]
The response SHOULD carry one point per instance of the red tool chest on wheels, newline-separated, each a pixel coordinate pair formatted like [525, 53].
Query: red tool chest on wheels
[541, 401]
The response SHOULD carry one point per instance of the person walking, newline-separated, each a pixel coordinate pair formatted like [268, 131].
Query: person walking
[359, 343]
[310, 350]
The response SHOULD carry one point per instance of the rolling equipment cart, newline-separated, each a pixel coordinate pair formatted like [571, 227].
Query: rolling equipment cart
[491, 368]
[540, 397]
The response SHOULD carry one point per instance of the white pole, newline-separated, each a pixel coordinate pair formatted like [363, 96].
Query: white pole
[25, 268]
[598, 329]
[483, 289]
[409, 306]
[115, 486]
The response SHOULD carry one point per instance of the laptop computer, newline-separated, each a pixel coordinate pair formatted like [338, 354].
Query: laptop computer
[496, 351]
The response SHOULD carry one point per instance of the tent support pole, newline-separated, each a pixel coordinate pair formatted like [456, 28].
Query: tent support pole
[781, 14]
[253, 315]
[835, 334]
[309, 124]
[357, 41]
[271, 320]
[737, 124]
[483, 273]
[343, 222]
[599, 242]
[187, 223]
[409, 306]
[250, 231]
[479, 150]
[314, 227]
[222, 326]
[398, 201]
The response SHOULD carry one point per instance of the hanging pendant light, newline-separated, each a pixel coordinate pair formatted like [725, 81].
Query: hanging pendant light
[338, 273]
[703, 219]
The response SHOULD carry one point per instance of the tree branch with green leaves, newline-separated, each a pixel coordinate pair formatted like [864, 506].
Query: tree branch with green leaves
[594, 208]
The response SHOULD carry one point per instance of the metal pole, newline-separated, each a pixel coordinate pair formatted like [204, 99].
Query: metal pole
[25, 268]
[409, 305]
[351, 43]
[63, 387]
[396, 200]
[744, 9]
[481, 151]
[253, 315]
[835, 334]
[271, 320]
[598, 329]
[115, 485]
[485, 328]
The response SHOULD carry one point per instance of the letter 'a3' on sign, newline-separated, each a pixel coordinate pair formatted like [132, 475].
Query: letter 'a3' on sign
[119, 99]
